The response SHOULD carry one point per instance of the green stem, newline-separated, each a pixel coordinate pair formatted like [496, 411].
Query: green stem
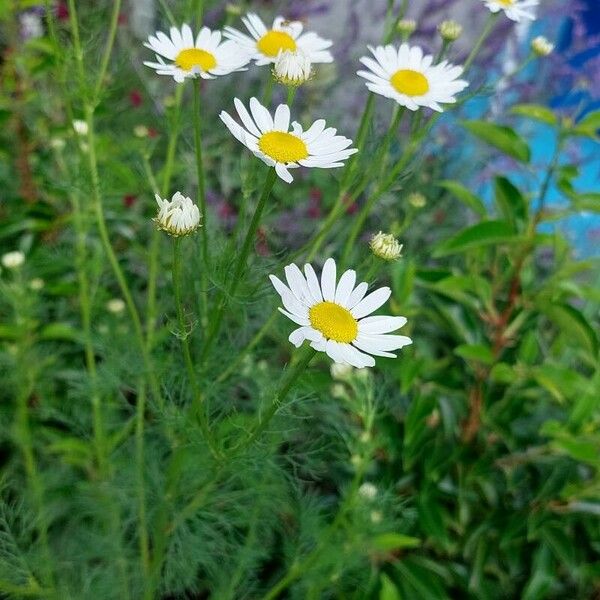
[203, 296]
[240, 264]
[268, 94]
[140, 415]
[278, 398]
[110, 41]
[291, 94]
[156, 235]
[99, 212]
[198, 404]
[487, 29]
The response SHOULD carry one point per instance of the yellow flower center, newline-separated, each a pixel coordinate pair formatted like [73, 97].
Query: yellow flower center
[195, 57]
[334, 321]
[409, 82]
[273, 41]
[283, 147]
[506, 2]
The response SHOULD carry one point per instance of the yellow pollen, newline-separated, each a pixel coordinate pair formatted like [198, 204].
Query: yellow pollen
[409, 82]
[194, 57]
[334, 321]
[283, 147]
[273, 41]
[506, 2]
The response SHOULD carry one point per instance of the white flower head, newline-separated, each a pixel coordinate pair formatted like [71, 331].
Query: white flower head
[57, 143]
[270, 139]
[178, 216]
[333, 316]
[115, 306]
[385, 246]
[205, 56]
[410, 78]
[80, 127]
[36, 284]
[450, 30]
[264, 45]
[541, 46]
[292, 68]
[13, 260]
[367, 490]
[515, 10]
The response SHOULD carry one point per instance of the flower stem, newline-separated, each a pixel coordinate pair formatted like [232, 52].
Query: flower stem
[280, 395]
[156, 235]
[202, 202]
[240, 264]
[291, 94]
[183, 334]
[487, 29]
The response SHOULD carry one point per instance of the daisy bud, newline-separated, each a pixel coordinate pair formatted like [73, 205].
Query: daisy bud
[376, 517]
[292, 68]
[233, 9]
[385, 246]
[450, 30]
[36, 284]
[80, 127]
[141, 131]
[115, 306]
[13, 260]
[541, 46]
[340, 371]
[57, 143]
[178, 216]
[406, 27]
[367, 490]
[417, 200]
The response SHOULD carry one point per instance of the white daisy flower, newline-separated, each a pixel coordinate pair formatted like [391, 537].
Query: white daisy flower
[178, 216]
[206, 56]
[410, 78]
[269, 138]
[333, 315]
[264, 45]
[292, 68]
[515, 10]
[13, 260]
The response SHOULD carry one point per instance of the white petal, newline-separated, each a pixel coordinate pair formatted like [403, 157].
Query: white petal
[371, 302]
[313, 283]
[380, 324]
[328, 280]
[345, 287]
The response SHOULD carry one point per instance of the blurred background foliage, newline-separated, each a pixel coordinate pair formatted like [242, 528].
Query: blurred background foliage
[467, 468]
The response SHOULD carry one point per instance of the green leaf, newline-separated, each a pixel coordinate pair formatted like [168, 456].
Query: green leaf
[61, 331]
[587, 201]
[572, 322]
[475, 353]
[482, 234]
[465, 196]
[509, 199]
[388, 591]
[501, 137]
[388, 542]
[589, 125]
[536, 112]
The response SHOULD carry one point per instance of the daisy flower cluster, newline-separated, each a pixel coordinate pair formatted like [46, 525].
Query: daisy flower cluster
[334, 317]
